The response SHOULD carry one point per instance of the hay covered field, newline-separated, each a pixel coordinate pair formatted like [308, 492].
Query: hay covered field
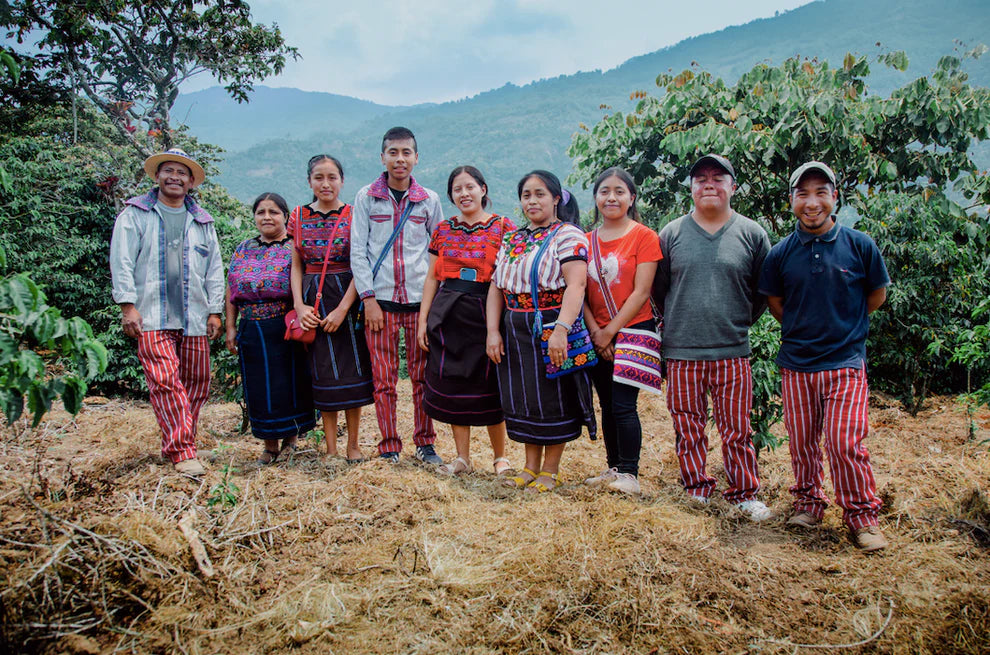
[104, 549]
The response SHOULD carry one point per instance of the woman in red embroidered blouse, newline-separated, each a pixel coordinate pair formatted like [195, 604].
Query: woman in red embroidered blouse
[626, 262]
[340, 364]
[461, 385]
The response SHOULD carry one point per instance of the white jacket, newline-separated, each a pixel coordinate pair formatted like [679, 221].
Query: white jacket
[138, 260]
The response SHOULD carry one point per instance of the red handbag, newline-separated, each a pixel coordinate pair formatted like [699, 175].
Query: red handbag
[294, 331]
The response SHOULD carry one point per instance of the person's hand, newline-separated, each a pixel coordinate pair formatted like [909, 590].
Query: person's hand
[424, 343]
[232, 340]
[333, 320]
[374, 317]
[308, 318]
[495, 347]
[214, 326]
[131, 321]
[602, 338]
[607, 353]
[557, 346]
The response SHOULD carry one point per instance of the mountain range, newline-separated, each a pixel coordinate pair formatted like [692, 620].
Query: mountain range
[510, 130]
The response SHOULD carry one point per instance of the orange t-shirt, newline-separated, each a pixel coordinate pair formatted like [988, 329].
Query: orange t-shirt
[619, 258]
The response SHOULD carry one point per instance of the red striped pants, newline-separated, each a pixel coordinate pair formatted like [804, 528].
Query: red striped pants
[834, 403]
[730, 383]
[177, 370]
[384, 348]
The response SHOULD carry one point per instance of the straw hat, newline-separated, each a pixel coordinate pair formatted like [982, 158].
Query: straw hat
[152, 163]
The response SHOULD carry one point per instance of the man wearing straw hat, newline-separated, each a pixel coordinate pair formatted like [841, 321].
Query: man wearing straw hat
[821, 283]
[168, 280]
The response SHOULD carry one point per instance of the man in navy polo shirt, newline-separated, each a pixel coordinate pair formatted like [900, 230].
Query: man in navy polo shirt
[821, 283]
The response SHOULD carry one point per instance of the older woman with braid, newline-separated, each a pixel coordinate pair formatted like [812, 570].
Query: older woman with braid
[275, 372]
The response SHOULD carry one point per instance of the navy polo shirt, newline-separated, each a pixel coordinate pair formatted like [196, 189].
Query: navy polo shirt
[824, 281]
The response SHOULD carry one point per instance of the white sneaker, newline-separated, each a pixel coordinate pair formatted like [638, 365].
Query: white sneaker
[699, 500]
[606, 476]
[626, 483]
[755, 510]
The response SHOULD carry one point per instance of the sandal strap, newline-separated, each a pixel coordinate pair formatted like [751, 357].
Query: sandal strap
[519, 481]
[452, 469]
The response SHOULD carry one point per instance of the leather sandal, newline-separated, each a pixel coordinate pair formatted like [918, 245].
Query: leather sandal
[539, 487]
[502, 472]
[268, 457]
[458, 466]
[518, 481]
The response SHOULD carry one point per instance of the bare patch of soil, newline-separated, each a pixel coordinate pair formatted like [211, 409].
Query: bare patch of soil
[321, 557]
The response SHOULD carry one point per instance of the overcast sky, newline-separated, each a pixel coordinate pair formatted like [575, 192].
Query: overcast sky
[402, 52]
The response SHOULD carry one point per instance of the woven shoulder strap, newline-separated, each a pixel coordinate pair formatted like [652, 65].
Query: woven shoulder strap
[391, 240]
[534, 280]
[596, 254]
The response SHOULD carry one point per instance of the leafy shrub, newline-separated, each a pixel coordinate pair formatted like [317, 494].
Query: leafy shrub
[940, 267]
[764, 339]
[42, 355]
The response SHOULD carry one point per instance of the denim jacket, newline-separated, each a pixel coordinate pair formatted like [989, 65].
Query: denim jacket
[138, 261]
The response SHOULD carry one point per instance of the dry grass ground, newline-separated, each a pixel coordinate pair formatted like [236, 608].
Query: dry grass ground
[316, 556]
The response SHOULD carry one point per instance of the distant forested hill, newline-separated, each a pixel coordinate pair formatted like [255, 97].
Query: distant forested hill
[271, 114]
[510, 130]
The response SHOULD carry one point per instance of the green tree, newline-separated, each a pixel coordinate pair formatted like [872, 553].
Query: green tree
[129, 58]
[904, 163]
[773, 119]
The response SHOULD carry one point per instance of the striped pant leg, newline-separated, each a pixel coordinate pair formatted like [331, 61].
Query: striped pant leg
[194, 372]
[687, 402]
[846, 425]
[384, 348]
[803, 416]
[157, 352]
[732, 399]
[416, 359]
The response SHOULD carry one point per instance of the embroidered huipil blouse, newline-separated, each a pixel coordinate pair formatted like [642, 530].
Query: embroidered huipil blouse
[259, 276]
[515, 259]
[458, 245]
[311, 230]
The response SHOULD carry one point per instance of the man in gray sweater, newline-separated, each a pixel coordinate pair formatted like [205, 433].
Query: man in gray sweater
[706, 284]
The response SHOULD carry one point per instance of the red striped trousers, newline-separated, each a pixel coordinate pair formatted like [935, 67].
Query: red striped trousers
[384, 348]
[177, 370]
[834, 403]
[730, 383]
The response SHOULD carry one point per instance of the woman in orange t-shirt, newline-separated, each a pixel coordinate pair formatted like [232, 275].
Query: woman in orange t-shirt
[625, 261]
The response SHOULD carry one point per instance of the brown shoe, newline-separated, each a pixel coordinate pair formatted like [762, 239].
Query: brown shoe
[190, 467]
[804, 520]
[869, 539]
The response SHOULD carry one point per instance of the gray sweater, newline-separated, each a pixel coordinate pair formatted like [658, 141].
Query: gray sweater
[706, 285]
